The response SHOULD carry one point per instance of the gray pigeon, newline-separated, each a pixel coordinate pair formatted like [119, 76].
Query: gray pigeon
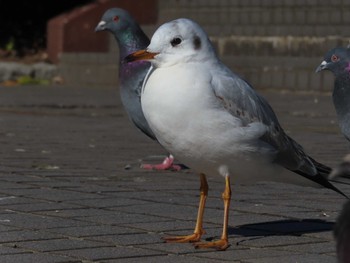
[337, 60]
[130, 38]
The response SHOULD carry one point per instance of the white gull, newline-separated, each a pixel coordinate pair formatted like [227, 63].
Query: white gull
[214, 122]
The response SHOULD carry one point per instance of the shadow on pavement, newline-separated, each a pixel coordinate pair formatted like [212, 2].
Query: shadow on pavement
[283, 227]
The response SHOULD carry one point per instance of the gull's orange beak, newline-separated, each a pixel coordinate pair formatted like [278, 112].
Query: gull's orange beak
[140, 55]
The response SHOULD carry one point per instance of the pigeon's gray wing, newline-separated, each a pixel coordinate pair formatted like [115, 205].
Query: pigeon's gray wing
[130, 92]
[341, 98]
[240, 99]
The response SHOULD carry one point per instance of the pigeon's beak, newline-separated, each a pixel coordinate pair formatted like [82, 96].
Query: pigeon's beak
[140, 55]
[100, 26]
[322, 66]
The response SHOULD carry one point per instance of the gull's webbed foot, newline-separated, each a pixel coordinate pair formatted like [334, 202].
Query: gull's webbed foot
[221, 244]
[195, 237]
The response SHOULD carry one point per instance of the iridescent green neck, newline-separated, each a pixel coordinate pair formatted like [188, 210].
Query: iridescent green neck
[130, 41]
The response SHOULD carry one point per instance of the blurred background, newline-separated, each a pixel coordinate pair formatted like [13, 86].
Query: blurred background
[273, 44]
[23, 25]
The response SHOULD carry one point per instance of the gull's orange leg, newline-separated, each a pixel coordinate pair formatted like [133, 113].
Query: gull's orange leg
[222, 243]
[198, 231]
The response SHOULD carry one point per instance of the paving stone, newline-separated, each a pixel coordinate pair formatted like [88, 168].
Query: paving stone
[159, 196]
[7, 228]
[76, 213]
[102, 253]
[91, 208]
[13, 200]
[93, 230]
[51, 194]
[234, 253]
[37, 222]
[164, 210]
[13, 185]
[5, 250]
[324, 247]
[295, 258]
[58, 184]
[35, 257]
[173, 248]
[58, 244]
[40, 206]
[25, 235]
[326, 235]
[121, 218]
[167, 258]
[275, 240]
[109, 202]
[163, 226]
[130, 239]
[237, 218]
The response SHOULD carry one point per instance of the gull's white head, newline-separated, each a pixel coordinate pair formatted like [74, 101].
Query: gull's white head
[181, 40]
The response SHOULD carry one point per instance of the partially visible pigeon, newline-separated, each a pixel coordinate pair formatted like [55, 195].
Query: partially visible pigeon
[337, 60]
[342, 234]
[130, 38]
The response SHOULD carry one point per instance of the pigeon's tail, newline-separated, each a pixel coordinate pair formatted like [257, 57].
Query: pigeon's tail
[321, 176]
[322, 169]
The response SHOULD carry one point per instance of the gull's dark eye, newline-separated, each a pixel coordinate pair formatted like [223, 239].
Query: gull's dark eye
[176, 41]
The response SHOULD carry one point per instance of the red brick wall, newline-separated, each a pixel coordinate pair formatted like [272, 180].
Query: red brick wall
[73, 31]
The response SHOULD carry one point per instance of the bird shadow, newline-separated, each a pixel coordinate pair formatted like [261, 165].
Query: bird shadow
[280, 228]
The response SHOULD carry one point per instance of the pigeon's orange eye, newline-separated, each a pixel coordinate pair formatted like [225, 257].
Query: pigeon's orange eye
[116, 18]
[334, 58]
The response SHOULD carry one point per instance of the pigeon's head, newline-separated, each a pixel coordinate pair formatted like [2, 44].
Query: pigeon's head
[115, 20]
[178, 41]
[336, 60]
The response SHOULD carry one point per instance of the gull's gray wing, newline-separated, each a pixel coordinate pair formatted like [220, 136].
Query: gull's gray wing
[242, 101]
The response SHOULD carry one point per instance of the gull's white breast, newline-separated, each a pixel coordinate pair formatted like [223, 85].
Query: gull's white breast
[191, 123]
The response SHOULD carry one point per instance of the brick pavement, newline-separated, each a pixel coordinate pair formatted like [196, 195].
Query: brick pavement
[71, 189]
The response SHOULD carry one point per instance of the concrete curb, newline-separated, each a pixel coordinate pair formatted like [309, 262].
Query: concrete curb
[14, 70]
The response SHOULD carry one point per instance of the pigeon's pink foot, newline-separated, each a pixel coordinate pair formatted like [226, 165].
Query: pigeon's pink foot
[167, 164]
